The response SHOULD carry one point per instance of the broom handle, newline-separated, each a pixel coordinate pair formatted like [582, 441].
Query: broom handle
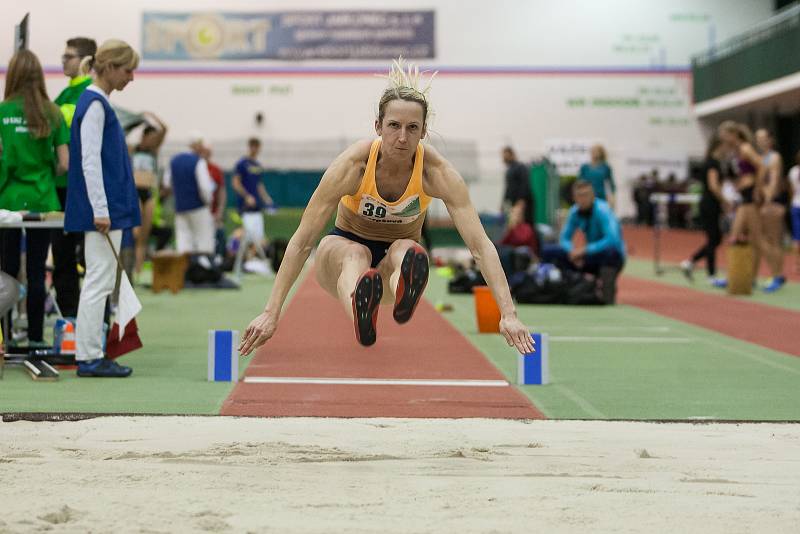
[114, 251]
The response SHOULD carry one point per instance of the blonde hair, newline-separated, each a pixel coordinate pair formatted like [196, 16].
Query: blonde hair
[602, 151]
[405, 84]
[25, 79]
[738, 129]
[112, 53]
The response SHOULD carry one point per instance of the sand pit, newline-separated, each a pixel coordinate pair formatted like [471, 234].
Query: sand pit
[184, 474]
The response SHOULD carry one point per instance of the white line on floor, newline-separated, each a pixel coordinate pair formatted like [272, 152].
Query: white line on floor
[619, 339]
[541, 328]
[762, 359]
[584, 404]
[373, 381]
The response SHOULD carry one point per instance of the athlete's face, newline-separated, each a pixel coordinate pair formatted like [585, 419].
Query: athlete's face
[402, 127]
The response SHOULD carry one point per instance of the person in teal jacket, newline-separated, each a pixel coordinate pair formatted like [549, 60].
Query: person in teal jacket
[603, 255]
[599, 174]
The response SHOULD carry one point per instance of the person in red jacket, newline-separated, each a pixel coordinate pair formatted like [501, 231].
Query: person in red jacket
[219, 200]
[520, 233]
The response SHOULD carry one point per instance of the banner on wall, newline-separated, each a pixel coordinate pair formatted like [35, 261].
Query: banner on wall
[288, 36]
[568, 154]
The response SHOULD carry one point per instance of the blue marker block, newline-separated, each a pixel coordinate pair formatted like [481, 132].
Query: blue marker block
[223, 360]
[532, 367]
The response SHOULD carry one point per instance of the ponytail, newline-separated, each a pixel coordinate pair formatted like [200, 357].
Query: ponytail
[86, 65]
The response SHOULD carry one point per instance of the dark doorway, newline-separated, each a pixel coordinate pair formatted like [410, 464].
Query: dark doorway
[787, 135]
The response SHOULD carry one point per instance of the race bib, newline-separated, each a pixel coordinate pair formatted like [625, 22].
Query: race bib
[378, 211]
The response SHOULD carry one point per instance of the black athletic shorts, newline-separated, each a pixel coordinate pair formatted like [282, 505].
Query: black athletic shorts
[145, 194]
[377, 248]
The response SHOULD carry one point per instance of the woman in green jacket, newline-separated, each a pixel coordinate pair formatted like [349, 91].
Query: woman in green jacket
[34, 139]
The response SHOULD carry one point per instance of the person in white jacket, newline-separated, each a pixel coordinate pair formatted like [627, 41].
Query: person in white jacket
[193, 189]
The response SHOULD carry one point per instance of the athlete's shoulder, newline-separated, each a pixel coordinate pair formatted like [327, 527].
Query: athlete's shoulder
[433, 163]
[358, 151]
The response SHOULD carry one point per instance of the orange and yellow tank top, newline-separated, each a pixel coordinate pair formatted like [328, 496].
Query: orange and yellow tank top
[368, 215]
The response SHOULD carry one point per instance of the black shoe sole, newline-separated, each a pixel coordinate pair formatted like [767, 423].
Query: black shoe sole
[366, 301]
[413, 279]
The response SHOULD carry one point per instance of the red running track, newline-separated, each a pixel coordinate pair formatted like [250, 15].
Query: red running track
[677, 245]
[315, 339]
[768, 326]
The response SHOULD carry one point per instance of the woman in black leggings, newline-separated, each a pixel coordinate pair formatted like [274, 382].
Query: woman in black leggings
[711, 203]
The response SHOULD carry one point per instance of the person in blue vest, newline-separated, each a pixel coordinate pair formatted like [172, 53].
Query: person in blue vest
[193, 189]
[604, 252]
[101, 198]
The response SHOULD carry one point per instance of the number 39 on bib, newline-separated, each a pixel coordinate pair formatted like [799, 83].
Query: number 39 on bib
[378, 211]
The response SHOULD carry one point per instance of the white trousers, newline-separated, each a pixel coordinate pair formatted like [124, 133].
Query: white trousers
[98, 283]
[253, 223]
[194, 231]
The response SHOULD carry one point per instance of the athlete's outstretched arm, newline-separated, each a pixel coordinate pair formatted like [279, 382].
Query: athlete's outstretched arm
[341, 178]
[446, 183]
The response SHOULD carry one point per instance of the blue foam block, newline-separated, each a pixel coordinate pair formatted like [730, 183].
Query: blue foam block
[223, 360]
[532, 367]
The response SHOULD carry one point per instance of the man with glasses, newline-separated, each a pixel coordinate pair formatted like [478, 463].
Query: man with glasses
[65, 272]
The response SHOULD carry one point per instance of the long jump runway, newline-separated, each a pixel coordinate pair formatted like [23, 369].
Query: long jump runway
[314, 366]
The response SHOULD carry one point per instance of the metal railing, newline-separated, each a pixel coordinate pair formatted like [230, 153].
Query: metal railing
[783, 21]
[765, 52]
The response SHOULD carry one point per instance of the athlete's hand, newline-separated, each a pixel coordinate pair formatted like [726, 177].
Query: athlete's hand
[250, 201]
[258, 332]
[516, 334]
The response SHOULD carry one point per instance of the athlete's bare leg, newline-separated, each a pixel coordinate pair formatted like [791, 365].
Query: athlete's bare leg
[344, 271]
[339, 263]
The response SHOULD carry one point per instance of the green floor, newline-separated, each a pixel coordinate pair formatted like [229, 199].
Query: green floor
[625, 363]
[616, 362]
[787, 297]
[169, 372]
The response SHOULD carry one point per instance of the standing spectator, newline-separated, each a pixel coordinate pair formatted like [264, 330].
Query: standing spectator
[101, 198]
[65, 245]
[711, 208]
[641, 199]
[750, 172]
[604, 252]
[34, 139]
[253, 197]
[518, 186]
[794, 185]
[776, 201]
[219, 201]
[598, 173]
[145, 174]
[193, 190]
